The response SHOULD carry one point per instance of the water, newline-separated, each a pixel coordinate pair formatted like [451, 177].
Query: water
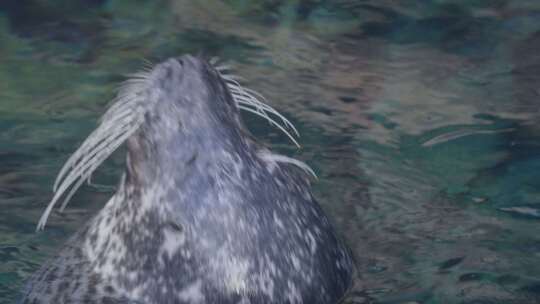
[420, 117]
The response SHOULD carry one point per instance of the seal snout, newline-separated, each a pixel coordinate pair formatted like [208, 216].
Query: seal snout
[187, 59]
[183, 64]
[179, 76]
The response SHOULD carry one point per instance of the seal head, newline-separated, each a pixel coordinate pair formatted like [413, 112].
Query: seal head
[203, 213]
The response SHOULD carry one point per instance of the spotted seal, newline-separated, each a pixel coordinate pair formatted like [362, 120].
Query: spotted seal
[203, 213]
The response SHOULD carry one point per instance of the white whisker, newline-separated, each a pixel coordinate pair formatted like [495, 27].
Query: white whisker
[120, 121]
[234, 86]
[273, 122]
[221, 68]
[245, 101]
[232, 78]
[147, 64]
[77, 166]
[214, 60]
[91, 165]
[285, 159]
[239, 93]
[100, 134]
[251, 101]
[266, 107]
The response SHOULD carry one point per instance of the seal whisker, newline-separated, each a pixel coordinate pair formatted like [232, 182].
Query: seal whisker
[82, 177]
[273, 122]
[121, 104]
[225, 67]
[267, 156]
[95, 154]
[258, 108]
[137, 77]
[120, 121]
[121, 109]
[147, 64]
[265, 108]
[90, 166]
[127, 94]
[243, 96]
[94, 138]
[235, 87]
[214, 60]
[250, 95]
[77, 165]
[268, 108]
[232, 78]
[245, 101]
[261, 108]
[111, 128]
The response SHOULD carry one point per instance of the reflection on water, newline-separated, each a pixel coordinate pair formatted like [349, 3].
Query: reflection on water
[421, 118]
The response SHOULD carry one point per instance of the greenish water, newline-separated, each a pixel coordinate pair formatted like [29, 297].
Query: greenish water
[421, 119]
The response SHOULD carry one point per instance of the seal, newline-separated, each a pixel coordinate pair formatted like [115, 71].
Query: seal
[203, 213]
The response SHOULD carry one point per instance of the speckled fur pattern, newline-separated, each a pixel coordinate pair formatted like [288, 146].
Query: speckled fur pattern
[199, 216]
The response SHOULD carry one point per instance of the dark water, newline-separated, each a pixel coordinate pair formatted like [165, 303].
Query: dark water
[420, 117]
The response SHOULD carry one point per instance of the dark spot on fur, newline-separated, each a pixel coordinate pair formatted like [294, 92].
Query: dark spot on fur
[109, 289]
[62, 286]
[78, 253]
[51, 276]
[169, 73]
[69, 271]
[93, 238]
[77, 284]
[192, 159]
[175, 226]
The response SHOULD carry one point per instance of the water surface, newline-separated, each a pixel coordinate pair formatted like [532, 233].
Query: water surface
[420, 117]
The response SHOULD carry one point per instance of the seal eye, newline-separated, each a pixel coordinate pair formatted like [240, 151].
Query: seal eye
[180, 61]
